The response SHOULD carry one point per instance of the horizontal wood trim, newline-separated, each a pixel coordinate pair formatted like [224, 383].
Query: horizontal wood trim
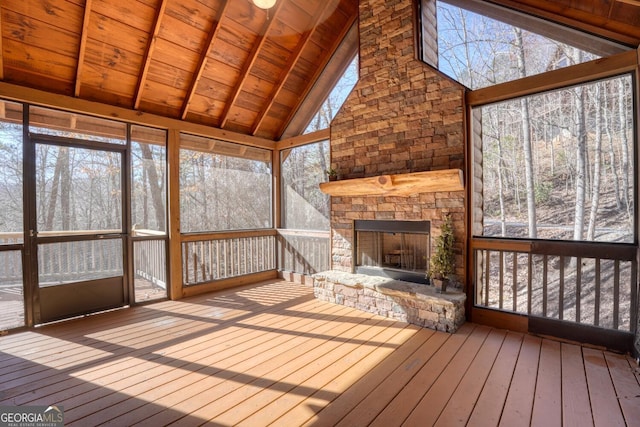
[500, 319]
[46, 99]
[309, 138]
[610, 339]
[228, 283]
[586, 250]
[619, 251]
[304, 233]
[556, 79]
[501, 245]
[197, 237]
[397, 185]
[224, 148]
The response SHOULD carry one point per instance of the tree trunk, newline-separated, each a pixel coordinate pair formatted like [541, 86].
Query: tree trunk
[581, 165]
[612, 154]
[597, 161]
[526, 142]
[503, 222]
[65, 184]
[622, 112]
[53, 195]
[154, 185]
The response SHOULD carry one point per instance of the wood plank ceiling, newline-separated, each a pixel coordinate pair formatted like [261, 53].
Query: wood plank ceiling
[618, 20]
[221, 63]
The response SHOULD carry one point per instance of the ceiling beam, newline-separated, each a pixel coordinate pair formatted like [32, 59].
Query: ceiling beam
[286, 70]
[83, 46]
[322, 88]
[302, 97]
[146, 61]
[202, 62]
[248, 64]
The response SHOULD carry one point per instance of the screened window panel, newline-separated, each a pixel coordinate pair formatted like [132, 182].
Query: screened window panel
[11, 217]
[305, 207]
[224, 186]
[581, 150]
[149, 181]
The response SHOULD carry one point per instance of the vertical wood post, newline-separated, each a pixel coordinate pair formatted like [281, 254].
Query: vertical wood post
[175, 245]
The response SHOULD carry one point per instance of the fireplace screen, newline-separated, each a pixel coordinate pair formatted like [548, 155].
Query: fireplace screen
[395, 249]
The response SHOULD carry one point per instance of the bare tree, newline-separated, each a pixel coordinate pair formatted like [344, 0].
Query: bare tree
[581, 163]
[612, 153]
[622, 113]
[597, 162]
[526, 140]
[155, 187]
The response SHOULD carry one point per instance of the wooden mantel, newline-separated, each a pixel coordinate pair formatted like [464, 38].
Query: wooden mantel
[406, 184]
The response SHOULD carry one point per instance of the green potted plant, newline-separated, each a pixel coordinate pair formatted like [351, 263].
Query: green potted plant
[442, 262]
[332, 174]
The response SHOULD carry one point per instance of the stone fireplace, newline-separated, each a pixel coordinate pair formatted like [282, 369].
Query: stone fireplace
[403, 119]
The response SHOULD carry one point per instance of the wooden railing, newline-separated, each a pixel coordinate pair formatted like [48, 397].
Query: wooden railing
[587, 283]
[302, 251]
[10, 238]
[79, 260]
[217, 256]
[11, 268]
[84, 259]
[150, 261]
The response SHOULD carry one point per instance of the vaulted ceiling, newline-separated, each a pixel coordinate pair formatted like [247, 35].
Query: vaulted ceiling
[222, 63]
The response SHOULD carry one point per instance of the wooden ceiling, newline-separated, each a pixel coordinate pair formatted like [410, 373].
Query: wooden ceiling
[221, 63]
[618, 20]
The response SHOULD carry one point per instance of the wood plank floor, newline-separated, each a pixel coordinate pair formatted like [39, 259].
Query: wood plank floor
[271, 354]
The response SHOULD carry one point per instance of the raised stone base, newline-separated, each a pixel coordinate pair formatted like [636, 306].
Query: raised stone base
[409, 302]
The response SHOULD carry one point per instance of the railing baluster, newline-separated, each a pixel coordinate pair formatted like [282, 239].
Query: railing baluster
[501, 255]
[545, 280]
[185, 261]
[515, 281]
[578, 288]
[561, 290]
[596, 304]
[217, 259]
[486, 278]
[529, 281]
[634, 298]
[616, 293]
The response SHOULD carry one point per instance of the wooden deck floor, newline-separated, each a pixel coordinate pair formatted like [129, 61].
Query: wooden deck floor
[271, 353]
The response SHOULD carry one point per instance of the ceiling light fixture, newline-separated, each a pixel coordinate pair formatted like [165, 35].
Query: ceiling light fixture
[264, 4]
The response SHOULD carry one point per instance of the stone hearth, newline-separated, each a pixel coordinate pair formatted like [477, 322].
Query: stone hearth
[408, 302]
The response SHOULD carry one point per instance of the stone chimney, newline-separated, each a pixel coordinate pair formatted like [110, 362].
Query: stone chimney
[402, 116]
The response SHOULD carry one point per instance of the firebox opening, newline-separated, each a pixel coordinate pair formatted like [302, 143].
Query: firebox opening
[394, 249]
